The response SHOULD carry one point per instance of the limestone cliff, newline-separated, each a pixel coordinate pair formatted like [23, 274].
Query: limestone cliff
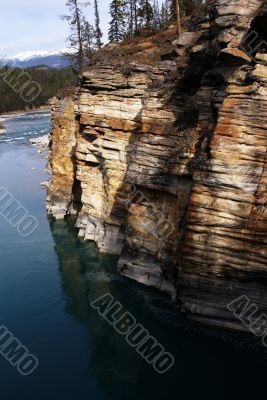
[161, 154]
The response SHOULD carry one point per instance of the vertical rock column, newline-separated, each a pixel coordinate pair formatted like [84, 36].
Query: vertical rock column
[60, 193]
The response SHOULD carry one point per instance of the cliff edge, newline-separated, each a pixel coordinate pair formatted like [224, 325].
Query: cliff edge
[161, 154]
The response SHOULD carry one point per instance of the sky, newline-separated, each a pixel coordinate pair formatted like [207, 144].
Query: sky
[29, 25]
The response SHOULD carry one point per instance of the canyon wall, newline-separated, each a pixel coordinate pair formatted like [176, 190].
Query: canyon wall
[161, 155]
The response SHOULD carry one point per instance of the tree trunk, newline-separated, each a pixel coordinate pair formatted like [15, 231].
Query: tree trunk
[79, 34]
[147, 15]
[178, 16]
[135, 19]
[131, 19]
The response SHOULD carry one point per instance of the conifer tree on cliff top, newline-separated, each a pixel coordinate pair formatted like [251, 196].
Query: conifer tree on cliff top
[145, 14]
[98, 31]
[74, 20]
[89, 37]
[131, 17]
[117, 31]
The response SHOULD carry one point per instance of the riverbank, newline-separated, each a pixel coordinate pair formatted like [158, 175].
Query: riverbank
[21, 128]
[42, 142]
[2, 129]
[23, 112]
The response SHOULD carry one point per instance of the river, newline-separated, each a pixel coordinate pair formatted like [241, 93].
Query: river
[48, 281]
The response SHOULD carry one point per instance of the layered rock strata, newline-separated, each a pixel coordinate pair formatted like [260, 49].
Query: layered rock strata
[165, 163]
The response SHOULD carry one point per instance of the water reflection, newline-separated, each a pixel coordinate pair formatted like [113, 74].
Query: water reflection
[206, 367]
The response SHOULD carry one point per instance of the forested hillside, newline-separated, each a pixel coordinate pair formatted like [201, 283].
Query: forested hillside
[12, 82]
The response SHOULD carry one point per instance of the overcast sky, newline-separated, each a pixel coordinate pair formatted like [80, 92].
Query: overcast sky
[27, 25]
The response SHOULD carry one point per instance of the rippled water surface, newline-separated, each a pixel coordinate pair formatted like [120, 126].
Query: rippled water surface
[47, 282]
[22, 127]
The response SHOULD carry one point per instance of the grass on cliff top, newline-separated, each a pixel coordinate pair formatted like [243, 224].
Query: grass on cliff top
[145, 49]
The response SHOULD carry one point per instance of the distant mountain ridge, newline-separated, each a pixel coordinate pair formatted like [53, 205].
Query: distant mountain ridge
[28, 59]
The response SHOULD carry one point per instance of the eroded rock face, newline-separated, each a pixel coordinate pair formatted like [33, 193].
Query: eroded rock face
[166, 164]
[60, 196]
[224, 247]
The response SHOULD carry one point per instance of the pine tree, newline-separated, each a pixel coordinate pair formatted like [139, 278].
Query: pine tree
[131, 8]
[169, 7]
[117, 31]
[74, 20]
[135, 18]
[98, 31]
[130, 14]
[145, 14]
[165, 15]
[89, 39]
[156, 16]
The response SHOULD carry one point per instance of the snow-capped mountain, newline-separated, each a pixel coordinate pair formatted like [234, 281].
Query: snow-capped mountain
[29, 59]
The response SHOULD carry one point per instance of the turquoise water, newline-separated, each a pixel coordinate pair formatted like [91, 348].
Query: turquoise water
[47, 282]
